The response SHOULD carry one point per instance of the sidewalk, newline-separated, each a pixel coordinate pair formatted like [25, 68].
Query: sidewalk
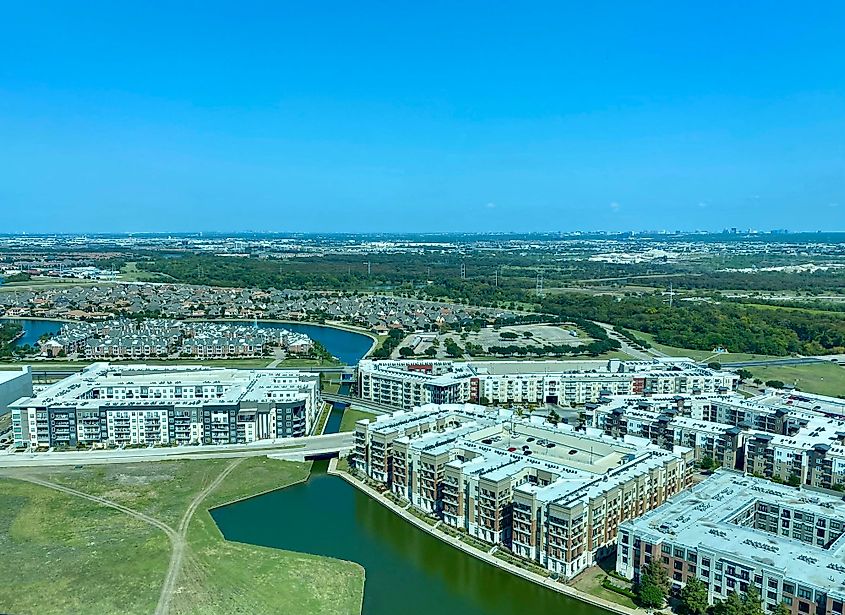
[483, 555]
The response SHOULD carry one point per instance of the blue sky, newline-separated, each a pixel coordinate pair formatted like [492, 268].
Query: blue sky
[433, 116]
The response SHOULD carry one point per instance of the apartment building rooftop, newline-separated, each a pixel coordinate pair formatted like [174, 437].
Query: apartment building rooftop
[709, 517]
[85, 389]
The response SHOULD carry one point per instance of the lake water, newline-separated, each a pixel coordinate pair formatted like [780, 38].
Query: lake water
[348, 346]
[407, 570]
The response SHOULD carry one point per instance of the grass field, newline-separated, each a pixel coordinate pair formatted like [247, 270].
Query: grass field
[131, 273]
[351, 416]
[65, 554]
[821, 378]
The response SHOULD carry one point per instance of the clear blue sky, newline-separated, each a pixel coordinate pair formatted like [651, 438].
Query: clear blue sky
[429, 116]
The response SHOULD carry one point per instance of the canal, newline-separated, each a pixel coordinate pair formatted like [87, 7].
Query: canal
[407, 570]
[348, 346]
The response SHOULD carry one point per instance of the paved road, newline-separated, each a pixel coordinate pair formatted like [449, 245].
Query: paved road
[304, 446]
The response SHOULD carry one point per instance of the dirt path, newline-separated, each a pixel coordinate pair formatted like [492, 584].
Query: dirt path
[171, 533]
[180, 543]
[177, 537]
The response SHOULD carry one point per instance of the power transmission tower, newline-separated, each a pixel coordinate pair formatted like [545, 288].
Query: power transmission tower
[497, 277]
[369, 267]
[540, 284]
[463, 271]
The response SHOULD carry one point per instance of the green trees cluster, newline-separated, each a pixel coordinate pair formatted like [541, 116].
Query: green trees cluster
[17, 277]
[696, 325]
[693, 597]
[704, 326]
[9, 332]
[393, 339]
[653, 586]
[452, 348]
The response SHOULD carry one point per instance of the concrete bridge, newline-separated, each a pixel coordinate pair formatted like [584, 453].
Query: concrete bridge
[349, 400]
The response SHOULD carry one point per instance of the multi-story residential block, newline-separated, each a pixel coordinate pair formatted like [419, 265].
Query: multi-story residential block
[551, 495]
[147, 405]
[410, 383]
[772, 435]
[14, 384]
[667, 422]
[733, 531]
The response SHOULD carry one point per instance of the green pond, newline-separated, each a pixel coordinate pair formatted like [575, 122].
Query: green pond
[408, 571]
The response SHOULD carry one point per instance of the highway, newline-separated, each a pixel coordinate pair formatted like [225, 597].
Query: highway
[299, 447]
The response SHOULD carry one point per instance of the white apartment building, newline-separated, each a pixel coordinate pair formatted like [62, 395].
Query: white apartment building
[410, 383]
[152, 405]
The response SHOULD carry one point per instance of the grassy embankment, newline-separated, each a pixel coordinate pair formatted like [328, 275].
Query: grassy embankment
[821, 378]
[65, 554]
[351, 416]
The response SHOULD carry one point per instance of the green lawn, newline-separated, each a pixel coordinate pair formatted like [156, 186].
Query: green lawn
[44, 282]
[63, 554]
[329, 386]
[351, 416]
[821, 378]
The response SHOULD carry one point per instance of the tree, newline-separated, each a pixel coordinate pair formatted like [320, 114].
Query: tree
[653, 585]
[405, 351]
[707, 463]
[782, 609]
[752, 603]
[732, 605]
[714, 365]
[744, 374]
[794, 480]
[651, 596]
[694, 597]
[775, 384]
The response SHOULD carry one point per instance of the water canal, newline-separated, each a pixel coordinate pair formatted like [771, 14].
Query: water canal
[407, 570]
[348, 346]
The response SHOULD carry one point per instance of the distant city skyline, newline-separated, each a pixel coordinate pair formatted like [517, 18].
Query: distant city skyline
[436, 118]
